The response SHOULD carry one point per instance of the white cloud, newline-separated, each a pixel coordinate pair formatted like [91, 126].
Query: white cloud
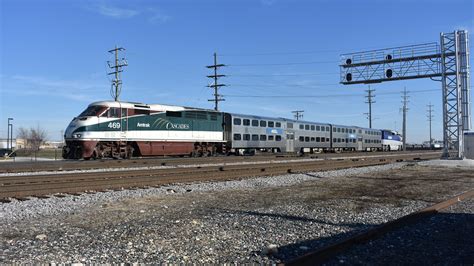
[116, 12]
[151, 14]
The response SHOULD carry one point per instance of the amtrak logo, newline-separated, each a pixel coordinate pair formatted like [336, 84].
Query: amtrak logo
[170, 125]
[143, 125]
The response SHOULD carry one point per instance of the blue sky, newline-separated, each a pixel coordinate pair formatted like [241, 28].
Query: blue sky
[54, 53]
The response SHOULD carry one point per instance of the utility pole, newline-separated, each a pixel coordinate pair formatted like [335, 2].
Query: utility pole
[10, 134]
[298, 114]
[430, 119]
[370, 102]
[117, 66]
[405, 109]
[217, 97]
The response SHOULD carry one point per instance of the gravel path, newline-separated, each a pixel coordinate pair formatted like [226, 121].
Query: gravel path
[258, 220]
[442, 239]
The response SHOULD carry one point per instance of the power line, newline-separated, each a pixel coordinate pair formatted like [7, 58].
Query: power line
[118, 64]
[430, 119]
[217, 97]
[319, 96]
[370, 102]
[286, 64]
[282, 75]
[298, 114]
[405, 110]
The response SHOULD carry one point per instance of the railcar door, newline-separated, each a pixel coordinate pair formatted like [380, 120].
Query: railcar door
[359, 144]
[290, 141]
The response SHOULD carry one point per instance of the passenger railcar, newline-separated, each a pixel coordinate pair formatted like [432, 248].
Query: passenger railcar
[125, 129]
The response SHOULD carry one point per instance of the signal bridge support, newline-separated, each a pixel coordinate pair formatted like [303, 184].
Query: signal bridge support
[447, 62]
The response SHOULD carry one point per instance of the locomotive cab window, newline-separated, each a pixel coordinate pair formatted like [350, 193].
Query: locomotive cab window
[112, 112]
[92, 111]
[237, 121]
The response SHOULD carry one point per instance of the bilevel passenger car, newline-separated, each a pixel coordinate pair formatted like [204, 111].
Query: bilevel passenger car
[125, 129]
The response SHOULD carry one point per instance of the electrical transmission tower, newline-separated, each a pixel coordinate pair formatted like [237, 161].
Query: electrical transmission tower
[370, 102]
[298, 114]
[217, 97]
[405, 110]
[446, 61]
[117, 66]
[430, 119]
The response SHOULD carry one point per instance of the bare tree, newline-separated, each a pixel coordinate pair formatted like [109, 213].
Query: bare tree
[38, 137]
[34, 137]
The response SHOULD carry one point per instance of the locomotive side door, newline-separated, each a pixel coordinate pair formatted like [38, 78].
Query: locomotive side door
[123, 123]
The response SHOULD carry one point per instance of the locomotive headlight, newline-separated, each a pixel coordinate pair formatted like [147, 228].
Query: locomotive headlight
[76, 136]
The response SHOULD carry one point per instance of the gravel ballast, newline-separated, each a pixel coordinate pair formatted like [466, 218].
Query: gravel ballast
[258, 220]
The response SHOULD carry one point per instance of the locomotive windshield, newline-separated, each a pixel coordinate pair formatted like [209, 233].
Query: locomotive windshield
[92, 111]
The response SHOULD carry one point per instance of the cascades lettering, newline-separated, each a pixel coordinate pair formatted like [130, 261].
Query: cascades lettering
[170, 125]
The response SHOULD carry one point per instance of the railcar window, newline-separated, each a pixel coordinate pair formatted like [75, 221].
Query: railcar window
[255, 123]
[254, 137]
[323, 139]
[271, 137]
[343, 130]
[338, 130]
[278, 138]
[301, 126]
[313, 139]
[246, 122]
[263, 137]
[339, 140]
[278, 124]
[289, 125]
[334, 140]
[318, 139]
[334, 129]
[237, 137]
[237, 121]
[313, 127]
[173, 114]
[306, 127]
[327, 129]
[306, 139]
[246, 136]
[318, 128]
[263, 123]
[301, 138]
[271, 124]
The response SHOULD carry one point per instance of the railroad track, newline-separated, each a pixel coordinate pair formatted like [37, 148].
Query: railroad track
[66, 165]
[322, 255]
[45, 185]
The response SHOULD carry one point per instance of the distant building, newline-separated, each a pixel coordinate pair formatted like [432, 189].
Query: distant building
[4, 144]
